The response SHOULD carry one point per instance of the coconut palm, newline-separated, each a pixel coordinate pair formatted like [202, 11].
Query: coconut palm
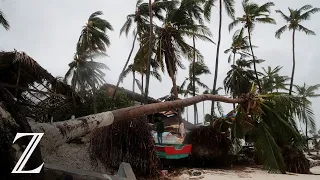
[272, 81]
[306, 92]
[253, 13]
[170, 41]
[293, 22]
[140, 19]
[93, 37]
[240, 45]
[85, 73]
[239, 78]
[189, 84]
[229, 7]
[3, 21]
[132, 69]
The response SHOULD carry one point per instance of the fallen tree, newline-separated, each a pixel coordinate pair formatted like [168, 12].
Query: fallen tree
[58, 133]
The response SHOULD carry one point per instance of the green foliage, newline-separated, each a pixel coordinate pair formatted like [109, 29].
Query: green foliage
[295, 18]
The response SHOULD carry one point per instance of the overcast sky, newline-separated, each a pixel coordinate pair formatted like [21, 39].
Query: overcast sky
[48, 31]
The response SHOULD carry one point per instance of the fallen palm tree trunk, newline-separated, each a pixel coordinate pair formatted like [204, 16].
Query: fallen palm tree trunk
[60, 132]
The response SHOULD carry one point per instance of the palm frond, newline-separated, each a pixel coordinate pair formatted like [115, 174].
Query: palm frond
[280, 31]
[306, 30]
[268, 150]
[3, 21]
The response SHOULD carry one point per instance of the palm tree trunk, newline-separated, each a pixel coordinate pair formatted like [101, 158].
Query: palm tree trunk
[60, 132]
[149, 54]
[195, 116]
[125, 66]
[234, 61]
[95, 110]
[217, 57]
[175, 90]
[308, 150]
[203, 110]
[293, 62]
[134, 80]
[187, 111]
[307, 138]
[142, 84]
[254, 61]
[187, 114]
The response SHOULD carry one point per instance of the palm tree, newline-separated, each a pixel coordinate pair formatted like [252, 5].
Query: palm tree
[149, 53]
[194, 11]
[240, 45]
[133, 69]
[3, 21]
[93, 37]
[195, 70]
[229, 6]
[305, 92]
[140, 18]
[294, 23]
[85, 73]
[272, 81]
[170, 43]
[253, 13]
[239, 78]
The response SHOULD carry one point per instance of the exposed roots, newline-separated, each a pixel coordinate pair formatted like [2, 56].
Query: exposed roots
[210, 147]
[295, 160]
[126, 141]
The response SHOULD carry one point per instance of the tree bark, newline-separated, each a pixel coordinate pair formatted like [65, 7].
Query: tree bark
[293, 61]
[149, 54]
[58, 133]
[142, 100]
[125, 66]
[254, 61]
[134, 81]
[195, 114]
[95, 110]
[217, 57]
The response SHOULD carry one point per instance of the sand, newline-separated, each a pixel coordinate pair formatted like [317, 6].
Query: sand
[248, 173]
[76, 156]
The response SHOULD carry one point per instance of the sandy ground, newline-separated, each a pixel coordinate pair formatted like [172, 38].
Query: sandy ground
[248, 173]
[76, 155]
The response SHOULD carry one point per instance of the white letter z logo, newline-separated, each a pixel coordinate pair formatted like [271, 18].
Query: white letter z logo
[36, 137]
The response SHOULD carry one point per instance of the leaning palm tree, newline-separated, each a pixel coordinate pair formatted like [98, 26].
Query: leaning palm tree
[229, 6]
[294, 21]
[253, 13]
[3, 21]
[240, 45]
[306, 92]
[93, 37]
